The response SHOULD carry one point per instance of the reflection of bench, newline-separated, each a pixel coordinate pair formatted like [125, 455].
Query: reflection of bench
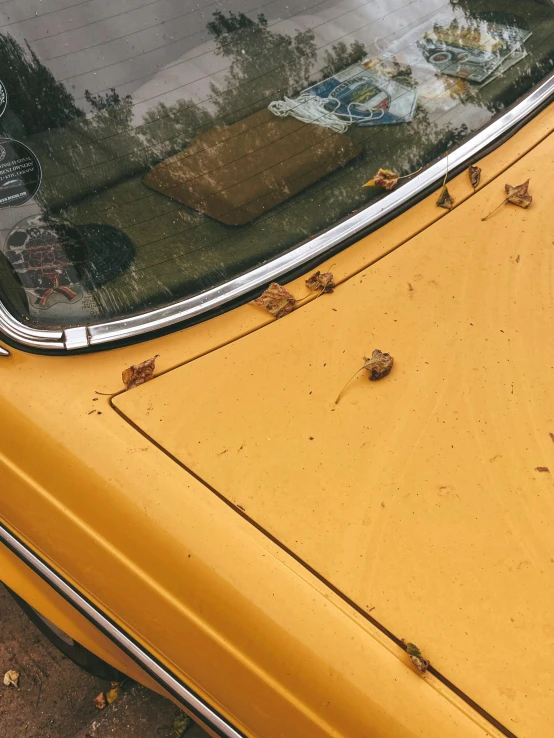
[234, 174]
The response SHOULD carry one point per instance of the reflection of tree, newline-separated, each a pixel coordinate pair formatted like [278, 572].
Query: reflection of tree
[341, 56]
[91, 153]
[36, 98]
[167, 129]
[264, 65]
[112, 112]
[110, 101]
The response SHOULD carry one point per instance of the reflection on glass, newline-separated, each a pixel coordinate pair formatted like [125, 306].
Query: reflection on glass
[181, 146]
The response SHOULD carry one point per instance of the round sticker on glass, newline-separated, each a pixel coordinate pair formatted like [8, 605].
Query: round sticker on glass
[3, 99]
[20, 173]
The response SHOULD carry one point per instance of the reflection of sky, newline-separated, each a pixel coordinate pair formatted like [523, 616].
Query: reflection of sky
[160, 51]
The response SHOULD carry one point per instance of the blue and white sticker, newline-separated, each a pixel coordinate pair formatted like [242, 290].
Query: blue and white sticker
[3, 98]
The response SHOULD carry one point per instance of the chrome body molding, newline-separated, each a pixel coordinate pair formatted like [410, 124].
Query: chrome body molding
[128, 328]
[160, 673]
[4, 352]
[28, 336]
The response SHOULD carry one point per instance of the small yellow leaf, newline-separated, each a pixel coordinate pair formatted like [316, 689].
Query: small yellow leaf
[11, 678]
[112, 694]
[181, 724]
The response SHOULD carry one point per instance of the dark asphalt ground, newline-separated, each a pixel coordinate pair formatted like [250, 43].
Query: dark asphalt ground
[55, 698]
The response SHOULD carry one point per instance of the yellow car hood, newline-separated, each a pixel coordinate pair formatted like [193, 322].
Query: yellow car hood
[426, 498]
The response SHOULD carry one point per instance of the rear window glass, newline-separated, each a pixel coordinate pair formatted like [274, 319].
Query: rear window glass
[152, 149]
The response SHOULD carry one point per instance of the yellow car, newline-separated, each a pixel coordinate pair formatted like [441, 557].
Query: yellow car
[218, 223]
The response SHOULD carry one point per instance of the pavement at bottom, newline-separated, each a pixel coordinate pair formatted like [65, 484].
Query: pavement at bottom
[55, 698]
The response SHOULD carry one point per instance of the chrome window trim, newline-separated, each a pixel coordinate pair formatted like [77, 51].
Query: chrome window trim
[126, 328]
[161, 674]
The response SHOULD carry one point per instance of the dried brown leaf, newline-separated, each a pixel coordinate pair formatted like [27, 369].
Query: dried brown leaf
[387, 179]
[139, 373]
[384, 178]
[474, 175]
[277, 300]
[11, 679]
[416, 658]
[318, 281]
[445, 200]
[379, 365]
[100, 701]
[519, 195]
[542, 469]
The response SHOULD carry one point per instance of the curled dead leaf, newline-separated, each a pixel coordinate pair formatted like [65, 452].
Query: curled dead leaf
[518, 195]
[100, 701]
[378, 366]
[277, 300]
[139, 373]
[416, 658]
[11, 679]
[384, 178]
[181, 724]
[318, 281]
[445, 199]
[474, 175]
[387, 179]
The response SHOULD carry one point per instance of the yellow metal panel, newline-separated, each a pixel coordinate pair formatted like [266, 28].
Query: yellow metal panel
[230, 611]
[421, 495]
[37, 593]
[211, 597]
